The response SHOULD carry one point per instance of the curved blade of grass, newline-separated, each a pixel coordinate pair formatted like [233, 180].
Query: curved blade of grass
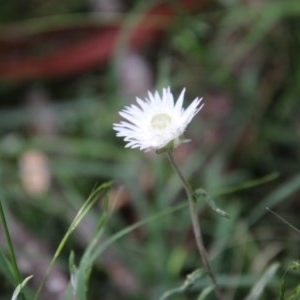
[258, 288]
[93, 250]
[79, 276]
[7, 268]
[72, 287]
[279, 195]
[87, 260]
[95, 195]
[249, 184]
[19, 288]
[205, 292]
[134, 226]
[201, 194]
[15, 269]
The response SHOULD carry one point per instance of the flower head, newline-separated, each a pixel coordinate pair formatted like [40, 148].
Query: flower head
[157, 121]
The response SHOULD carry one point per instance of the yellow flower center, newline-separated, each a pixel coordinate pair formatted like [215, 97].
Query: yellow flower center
[160, 121]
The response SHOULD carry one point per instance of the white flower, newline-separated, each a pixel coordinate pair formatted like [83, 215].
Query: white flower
[157, 121]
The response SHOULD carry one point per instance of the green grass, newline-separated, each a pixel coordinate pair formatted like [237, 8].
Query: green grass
[244, 151]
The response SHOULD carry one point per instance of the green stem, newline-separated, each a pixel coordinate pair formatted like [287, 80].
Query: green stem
[11, 248]
[196, 226]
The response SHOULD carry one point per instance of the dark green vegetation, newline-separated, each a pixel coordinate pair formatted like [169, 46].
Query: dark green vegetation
[243, 58]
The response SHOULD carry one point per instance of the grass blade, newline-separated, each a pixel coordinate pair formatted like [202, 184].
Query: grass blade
[258, 288]
[95, 195]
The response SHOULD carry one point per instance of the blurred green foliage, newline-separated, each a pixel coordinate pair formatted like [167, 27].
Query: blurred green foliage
[243, 58]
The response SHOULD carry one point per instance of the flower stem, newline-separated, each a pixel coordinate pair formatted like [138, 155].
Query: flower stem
[196, 226]
[17, 274]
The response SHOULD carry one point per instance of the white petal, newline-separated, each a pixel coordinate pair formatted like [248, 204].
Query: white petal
[138, 130]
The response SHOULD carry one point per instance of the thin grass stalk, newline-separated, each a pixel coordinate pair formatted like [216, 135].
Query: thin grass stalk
[98, 193]
[11, 249]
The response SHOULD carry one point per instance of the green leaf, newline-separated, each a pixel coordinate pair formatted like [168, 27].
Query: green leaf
[294, 265]
[95, 249]
[205, 292]
[73, 273]
[99, 192]
[187, 284]
[296, 293]
[200, 194]
[7, 268]
[282, 290]
[88, 259]
[258, 288]
[20, 287]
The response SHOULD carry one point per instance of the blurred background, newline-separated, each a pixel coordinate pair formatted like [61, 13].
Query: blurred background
[68, 67]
